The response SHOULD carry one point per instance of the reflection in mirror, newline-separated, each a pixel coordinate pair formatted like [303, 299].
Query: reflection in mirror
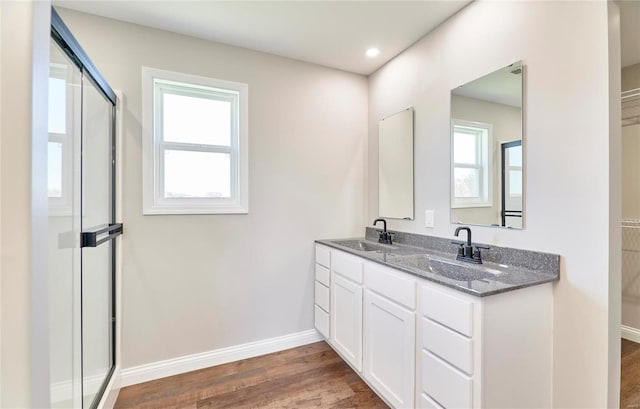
[486, 150]
[395, 166]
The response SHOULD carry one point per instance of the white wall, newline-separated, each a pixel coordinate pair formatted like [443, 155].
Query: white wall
[197, 283]
[24, 34]
[631, 77]
[567, 159]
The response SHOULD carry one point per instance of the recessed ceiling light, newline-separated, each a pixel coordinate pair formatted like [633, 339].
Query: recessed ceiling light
[372, 52]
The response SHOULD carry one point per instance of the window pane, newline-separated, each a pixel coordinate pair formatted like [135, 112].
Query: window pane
[55, 169]
[57, 106]
[515, 156]
[464, 148]
[190, 119]
[197, 174]
[515, 183]
[466, 182]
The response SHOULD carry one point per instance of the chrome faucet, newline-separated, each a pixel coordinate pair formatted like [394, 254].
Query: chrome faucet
[385, 236]
[467, 252]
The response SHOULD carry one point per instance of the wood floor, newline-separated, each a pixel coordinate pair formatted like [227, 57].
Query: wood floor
[630, 376]
[311, 376]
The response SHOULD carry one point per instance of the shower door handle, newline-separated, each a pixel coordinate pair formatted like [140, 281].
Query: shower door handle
[90, 238]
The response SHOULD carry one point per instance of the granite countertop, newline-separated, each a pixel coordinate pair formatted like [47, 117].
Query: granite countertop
[503, 269]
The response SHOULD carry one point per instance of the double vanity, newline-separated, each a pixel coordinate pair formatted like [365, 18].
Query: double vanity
[426, 330]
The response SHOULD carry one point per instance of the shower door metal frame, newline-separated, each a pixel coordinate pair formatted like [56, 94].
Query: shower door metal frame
[61, 34]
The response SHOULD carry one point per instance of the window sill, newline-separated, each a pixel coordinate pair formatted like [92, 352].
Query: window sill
[159, 210]
[471, 205]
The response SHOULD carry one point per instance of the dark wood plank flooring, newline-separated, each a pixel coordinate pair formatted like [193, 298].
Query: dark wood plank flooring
[630, 375]
[311, 376]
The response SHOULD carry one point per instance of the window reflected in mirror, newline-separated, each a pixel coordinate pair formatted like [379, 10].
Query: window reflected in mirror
[486, 150]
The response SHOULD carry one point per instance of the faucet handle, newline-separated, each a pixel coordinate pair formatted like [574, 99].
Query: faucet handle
[477, 256]
[391, 236]
[482, 247]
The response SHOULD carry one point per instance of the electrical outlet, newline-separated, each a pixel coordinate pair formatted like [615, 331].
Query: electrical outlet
[429, 219]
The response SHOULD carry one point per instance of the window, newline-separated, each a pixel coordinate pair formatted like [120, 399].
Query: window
[471, 171]
[195, 144]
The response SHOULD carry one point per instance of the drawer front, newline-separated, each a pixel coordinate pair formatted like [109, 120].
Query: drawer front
[444, 384]
[453, 312]
[322, 296]
[394, 285]
[448, 345]
[323, 256]
[322, 322]
[322, 274]
[347, 266]
[428, 403]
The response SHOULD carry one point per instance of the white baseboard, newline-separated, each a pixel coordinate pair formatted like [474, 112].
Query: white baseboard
[175, 366]
[630, 333]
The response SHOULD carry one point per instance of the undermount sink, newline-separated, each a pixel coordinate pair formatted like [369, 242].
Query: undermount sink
[362, 245]
[445, 268]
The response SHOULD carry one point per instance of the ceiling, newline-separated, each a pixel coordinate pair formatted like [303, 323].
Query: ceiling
[330, 33]
[503, 86]
[630, 31]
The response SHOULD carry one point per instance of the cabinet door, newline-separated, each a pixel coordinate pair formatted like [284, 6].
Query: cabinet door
[346, 319]
[389, 349]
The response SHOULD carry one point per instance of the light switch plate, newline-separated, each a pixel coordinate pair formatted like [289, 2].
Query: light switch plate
[429, 218]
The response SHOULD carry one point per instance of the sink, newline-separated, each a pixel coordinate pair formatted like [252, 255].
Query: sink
[445, 268]
[362, 245]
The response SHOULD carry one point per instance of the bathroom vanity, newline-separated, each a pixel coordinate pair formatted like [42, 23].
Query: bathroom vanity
[427, 331]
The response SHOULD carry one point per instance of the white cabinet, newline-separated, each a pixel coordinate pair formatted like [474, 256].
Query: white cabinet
[322, 282]
[421, 344]
[346, 319]
[389, 349]
[484, 352]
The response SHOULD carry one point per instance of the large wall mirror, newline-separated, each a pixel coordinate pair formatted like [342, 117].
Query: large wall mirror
[395, 166]
[487, 169]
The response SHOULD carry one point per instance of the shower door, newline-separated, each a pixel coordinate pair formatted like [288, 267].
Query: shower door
[511, 189]
[82, 228]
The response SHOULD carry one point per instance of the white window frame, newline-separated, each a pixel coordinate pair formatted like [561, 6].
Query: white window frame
[485, 157]
[153, 146]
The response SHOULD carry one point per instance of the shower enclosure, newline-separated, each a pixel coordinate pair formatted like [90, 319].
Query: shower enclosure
[82, 225]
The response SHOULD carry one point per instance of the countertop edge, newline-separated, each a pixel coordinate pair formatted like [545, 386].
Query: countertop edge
[543, 279]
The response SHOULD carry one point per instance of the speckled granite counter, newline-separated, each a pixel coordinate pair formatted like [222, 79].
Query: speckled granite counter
[434, 258]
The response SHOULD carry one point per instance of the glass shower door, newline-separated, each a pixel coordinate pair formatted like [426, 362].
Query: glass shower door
[97, 262]
[82, 228]
[65, 99]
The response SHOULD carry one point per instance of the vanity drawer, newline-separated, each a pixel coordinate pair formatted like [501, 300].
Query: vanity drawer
[445, 384]
[394, 285]
[321, 319]
[322, 296]
[323, 255]
[427, 403]
[448, 345]
[347, 266]
[322, 274]
[453, 312]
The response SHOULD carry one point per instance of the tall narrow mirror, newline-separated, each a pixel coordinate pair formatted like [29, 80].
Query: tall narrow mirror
[487, 150]
[395, 166]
